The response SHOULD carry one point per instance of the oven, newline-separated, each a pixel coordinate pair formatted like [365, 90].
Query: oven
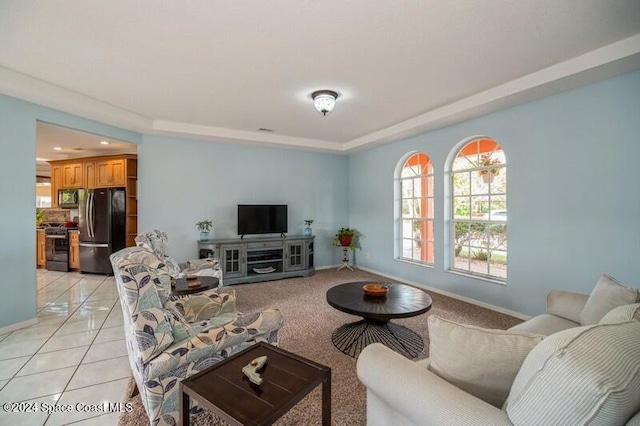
[57, 249]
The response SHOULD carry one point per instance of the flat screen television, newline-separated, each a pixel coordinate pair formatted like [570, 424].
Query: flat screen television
[262, 219]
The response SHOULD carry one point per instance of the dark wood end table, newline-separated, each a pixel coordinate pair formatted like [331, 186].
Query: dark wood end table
[182, 288]
[401, 301]
[225, 390]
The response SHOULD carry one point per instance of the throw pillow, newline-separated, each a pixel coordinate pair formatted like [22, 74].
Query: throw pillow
[482, 362]
[622, 314]
[584, 375]
[607, 294]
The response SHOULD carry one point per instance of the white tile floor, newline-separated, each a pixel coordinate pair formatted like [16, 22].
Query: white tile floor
[74, 356]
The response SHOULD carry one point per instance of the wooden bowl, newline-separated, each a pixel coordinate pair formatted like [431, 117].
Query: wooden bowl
[375, 290]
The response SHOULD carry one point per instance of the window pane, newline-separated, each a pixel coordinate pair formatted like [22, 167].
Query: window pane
[480, 207]
[407, 208]
[498, 235]
[407, 188]
[498, 266]
[461, 184]
[498, 207]
[461, 208]
[406, 229]
[407, 248]
[418, 187]
[429, 186]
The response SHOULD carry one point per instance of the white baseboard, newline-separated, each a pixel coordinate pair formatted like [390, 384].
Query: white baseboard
[18, 325]
[320, 268]
[452, 295]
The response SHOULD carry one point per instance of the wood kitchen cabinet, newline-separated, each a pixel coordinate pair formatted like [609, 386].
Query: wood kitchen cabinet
[110, 173]
[89, 174]
[41, 256]
[72, 176]
[56, 181]
[74, 249]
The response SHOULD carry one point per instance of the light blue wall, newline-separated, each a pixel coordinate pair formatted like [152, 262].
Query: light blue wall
[183, 181]
[17, 199]
[573, 195]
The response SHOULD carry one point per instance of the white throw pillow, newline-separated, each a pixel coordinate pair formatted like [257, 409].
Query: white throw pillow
[584, 375]
[622, 314]
[607, 294]
[479, 361]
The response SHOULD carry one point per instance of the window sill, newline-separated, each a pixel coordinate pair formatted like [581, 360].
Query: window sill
[411, 262]
[478, 277]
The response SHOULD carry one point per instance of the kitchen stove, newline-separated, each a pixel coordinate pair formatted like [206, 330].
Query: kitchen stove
[57, 248]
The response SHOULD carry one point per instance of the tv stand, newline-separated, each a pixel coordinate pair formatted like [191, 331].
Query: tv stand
[262, 258]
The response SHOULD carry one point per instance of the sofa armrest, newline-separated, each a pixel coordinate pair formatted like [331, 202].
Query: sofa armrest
[566, 304]
[204, 305]
[215, 340]
[420, 395]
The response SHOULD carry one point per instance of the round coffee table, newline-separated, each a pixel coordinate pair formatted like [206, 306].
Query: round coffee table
[401, 301]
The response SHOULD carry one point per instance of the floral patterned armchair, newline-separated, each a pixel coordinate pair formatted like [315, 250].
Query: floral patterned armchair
[156, 241]
[171, 339]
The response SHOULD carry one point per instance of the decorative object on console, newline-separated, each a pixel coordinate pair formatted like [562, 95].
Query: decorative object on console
[251, 370]
[307, 230]
[324, 100]
[204, 226]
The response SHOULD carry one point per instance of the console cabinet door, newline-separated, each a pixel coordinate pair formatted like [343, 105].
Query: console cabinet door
[233, 260]
[294, 256]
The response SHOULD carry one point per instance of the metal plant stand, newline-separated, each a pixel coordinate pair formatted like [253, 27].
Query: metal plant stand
[345, 259]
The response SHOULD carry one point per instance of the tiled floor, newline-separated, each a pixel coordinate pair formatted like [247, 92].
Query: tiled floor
[75, 356]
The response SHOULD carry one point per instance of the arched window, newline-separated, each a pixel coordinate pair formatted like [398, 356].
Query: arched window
[414, 183]
[479, 223]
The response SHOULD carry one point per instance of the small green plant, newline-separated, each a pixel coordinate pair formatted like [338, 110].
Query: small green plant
[308, 222]
[345, 232]
[345, 237]
[39, 217]
[204, 225]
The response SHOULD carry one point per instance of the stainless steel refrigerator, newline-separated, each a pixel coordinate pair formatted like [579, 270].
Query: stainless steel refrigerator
[101, 216]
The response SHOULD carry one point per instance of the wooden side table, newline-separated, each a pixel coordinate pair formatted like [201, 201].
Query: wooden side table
[182, 288]
[287, 378]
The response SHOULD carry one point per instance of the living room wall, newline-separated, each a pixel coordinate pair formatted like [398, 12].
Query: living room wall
[183, 181]
[573, 196]
[17, 194]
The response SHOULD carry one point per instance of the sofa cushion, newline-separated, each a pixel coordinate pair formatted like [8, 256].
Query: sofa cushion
[479, 361]
[544, 324]
[584, 375]
[607, 294]
[622, 314]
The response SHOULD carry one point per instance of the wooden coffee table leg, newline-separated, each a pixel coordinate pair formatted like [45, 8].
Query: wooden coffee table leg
[326, 400]
[184, 409]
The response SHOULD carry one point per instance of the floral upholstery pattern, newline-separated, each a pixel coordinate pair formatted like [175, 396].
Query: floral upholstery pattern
[170, 339]
[156, 242]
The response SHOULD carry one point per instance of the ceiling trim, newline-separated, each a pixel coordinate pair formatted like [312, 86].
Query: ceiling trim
[610, 60]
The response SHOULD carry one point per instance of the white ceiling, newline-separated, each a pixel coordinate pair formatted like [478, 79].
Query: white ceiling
[221, 70]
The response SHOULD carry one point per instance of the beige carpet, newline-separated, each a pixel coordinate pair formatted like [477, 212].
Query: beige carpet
[309, 322]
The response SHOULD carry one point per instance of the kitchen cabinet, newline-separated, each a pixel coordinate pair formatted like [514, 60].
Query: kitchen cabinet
[89, 174]
[72, 176]
[110, 173]
[74, 249]
[56, 181]
[41, 256]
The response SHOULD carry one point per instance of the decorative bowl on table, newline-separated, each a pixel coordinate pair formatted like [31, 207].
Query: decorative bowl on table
[375, 290]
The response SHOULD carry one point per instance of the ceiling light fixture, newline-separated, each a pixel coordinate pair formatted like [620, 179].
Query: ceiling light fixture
[324, 100]
[57, 148]
[104, 142]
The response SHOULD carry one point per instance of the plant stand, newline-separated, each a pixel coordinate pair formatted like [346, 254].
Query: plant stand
[345, 259]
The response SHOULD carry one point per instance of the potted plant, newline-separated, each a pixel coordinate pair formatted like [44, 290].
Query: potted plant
[488, 174]
[308, 231]
[204, 226]
[344, 237]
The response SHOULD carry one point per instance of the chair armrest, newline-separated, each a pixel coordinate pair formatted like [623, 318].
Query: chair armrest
[420, 395]
[566, 304]
[253, 327]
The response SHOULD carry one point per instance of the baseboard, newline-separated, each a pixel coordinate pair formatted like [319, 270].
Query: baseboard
[18, 325]
[448, 294]
[320, 268]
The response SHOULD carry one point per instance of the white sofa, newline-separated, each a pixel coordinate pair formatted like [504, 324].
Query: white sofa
[579, 363]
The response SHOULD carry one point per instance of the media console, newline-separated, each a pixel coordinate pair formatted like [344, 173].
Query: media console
[250, 260]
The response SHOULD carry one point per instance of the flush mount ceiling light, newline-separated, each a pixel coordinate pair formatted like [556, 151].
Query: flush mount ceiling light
[324, 100]
[104, 142]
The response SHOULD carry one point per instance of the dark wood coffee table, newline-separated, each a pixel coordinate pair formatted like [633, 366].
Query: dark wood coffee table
[287, 378]
[401, 301]
[182, 285]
